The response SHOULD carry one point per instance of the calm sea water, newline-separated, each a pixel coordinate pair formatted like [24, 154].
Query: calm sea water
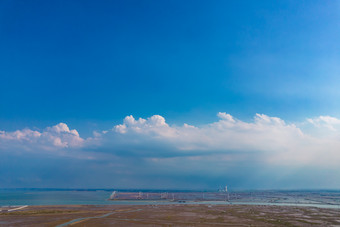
[27, 197]
[33, 197]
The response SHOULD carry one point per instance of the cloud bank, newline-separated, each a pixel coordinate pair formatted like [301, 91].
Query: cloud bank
[270, 139]
[265, 146]
[56, 137]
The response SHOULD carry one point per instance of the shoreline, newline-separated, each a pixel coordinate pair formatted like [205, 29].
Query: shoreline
[187, 202]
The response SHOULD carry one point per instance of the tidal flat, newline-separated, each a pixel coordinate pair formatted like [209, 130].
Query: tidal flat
[170, 215]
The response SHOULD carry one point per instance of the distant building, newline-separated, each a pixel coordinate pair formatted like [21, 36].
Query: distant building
[226, 188]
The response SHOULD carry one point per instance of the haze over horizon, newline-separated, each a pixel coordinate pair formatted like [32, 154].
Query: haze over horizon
[170, 94]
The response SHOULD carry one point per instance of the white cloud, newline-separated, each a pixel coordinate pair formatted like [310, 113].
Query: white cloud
[264, 149]
[264, 134]
[55, 137]
[269, 138]
[153, 126]
[225, 116]
[265, 138]
[325, 121]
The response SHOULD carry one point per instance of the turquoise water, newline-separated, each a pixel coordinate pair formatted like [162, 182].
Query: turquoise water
[24, 197]
[27, 197]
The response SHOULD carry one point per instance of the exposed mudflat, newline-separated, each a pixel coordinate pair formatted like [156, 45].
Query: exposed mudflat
[170, 215]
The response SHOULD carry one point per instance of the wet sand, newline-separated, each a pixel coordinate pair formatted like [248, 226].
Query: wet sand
[170, 215]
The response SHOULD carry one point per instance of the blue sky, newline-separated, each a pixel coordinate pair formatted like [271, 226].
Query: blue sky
[90, 64]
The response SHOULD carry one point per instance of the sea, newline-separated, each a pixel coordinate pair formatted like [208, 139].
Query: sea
[16, 197]
[20, 197]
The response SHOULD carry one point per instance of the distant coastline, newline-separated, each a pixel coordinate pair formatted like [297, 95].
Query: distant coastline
[39, 196]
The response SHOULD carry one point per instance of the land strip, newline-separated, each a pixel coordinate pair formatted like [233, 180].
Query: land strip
[171, 215]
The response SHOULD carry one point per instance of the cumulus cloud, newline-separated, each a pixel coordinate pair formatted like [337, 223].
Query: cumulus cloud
[153, 126]
[331, 123]
[56, 137]
[227, 148]
[228, 134]
[265, 138]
